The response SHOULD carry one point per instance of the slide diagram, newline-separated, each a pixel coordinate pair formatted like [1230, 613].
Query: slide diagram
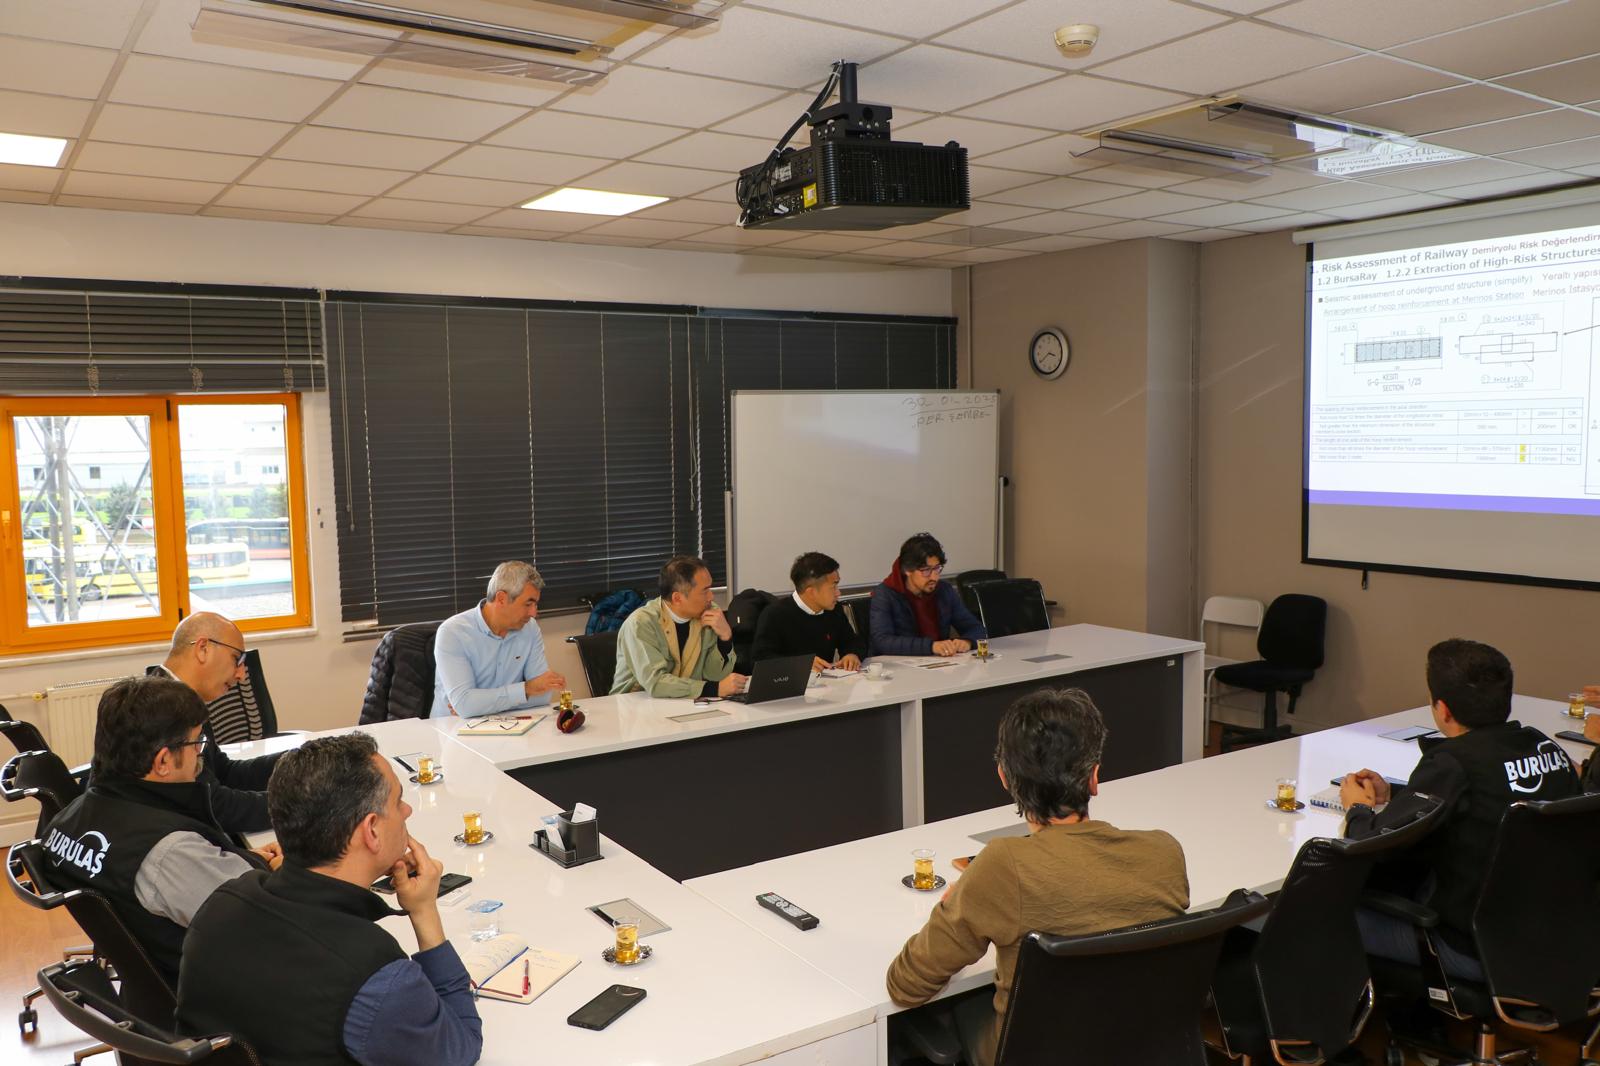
[1451, 352]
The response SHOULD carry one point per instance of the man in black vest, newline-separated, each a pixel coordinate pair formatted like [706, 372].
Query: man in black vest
[810, 622]
[207, 654]
[1480, 764]
[144, 835]
[326, 984]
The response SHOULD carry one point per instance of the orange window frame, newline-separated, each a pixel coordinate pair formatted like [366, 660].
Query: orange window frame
[166, 486]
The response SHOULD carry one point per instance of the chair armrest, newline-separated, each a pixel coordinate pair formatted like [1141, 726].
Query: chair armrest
[1407, 910]
[80, 773]
[931, 1036]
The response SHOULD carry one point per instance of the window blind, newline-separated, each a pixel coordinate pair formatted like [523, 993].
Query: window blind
[110, 338]
[590, 440]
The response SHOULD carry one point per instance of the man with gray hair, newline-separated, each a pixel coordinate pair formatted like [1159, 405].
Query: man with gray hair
[490, 658]
[295, 963]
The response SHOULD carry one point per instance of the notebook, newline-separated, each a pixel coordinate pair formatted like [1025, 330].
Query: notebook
[1328, 800]
[496, 968]
[499, 725]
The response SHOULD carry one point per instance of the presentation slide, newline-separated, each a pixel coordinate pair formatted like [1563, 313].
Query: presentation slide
[1459, 377]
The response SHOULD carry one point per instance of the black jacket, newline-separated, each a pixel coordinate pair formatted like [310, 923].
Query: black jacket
[1477, 775]
[238, 786]
[785, 629]
[100, 841]
[401, 682]
[276, 959]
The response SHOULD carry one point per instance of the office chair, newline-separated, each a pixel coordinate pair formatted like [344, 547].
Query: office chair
[1299, 990]
[24, 736]
[744, 611]
[1290, 645]
[41, 776]
[83, 994]
[1130, 995]
[1535, 931]
[142, 990]
[1015, 605]
[967, 583]
[598, 654]
[859, 610]
[400, 683]
[245, 711]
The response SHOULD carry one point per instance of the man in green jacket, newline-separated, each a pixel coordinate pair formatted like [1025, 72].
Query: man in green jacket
[679, 644]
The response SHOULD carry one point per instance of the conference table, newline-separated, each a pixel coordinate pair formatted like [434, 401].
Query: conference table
[695, 788]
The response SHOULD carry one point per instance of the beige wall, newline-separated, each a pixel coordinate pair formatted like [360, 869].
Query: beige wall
[1250, 360]
[1099, 459]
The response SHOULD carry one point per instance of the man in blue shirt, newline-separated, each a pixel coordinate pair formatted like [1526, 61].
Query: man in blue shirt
[490, 658]
[294, 962]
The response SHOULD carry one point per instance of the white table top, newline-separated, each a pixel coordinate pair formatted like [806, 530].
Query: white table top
[634, 720]
[702, 1007]
[1216, 807]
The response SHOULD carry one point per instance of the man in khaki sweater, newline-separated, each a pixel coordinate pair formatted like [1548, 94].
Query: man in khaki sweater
[1069, 876]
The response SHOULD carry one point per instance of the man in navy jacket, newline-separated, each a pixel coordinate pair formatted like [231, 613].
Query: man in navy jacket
[914, 613]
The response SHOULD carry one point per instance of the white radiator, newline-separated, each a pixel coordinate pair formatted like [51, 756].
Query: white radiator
[70, 712]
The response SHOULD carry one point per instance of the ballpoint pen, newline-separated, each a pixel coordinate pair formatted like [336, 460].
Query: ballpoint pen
[527, 984]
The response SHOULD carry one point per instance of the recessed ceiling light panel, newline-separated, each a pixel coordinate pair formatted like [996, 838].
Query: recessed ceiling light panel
[22, 149]
[593, 202]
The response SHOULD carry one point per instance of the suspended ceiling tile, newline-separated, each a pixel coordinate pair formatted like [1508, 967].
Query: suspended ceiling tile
[1277, 179]
[321, 144]
[187, 129]
[1152, 202]
[915, 232]
[1052, 155]
[1062, 192]
[1132, 230]
[517, 164]
[1061, 222]
[1205, 236]
[616, 242]
[1077, 102]
[1384, 23]
[1443, 110]
[20, 196]
[42, 116]
[1444, 175]
[325, 177]
[1223, 215]
[733, 236]
[1298, 220]
[1538, 38]
[1060, 242]
[912, 250]
[1325, 197]
[101, 23]
[770, 119]
[420, 211]
[468, 84]
[654, 229]
[53, 68]
[410, 226]
[779, 50]
[1417, 201]
[400, 111]
[256, 214]
[665, 96]
[108, 158]
[29, 179]
[544, 221]
[971, 256]
[905, 17]
[721, 151]
[653, 180]
[704, 211]
[836, 242]
[444, 188]
[1026, 30]
[1528, 131]
[1563, 156]
[294, 200]
[103, 203]
[1508, 186]
[984, 182]
[560, 131]
[942, 79]
[977, 136]
[128, 187]
[184, 85]
[987, 214]
[1358, 82]
[1576, 82]
[502, 232]
[1221, 59]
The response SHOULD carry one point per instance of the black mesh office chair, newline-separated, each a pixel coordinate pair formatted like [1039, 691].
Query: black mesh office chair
[1127, 996]
[400, 681]
[83, 994]
[1299, 990]
[40, 776]
[744, 611]
[859, 610]
[1536, 931]
[1015, 605]
[1290, 645]
[967, 583]
[142, 990]
[597, 652]
[245, 711]
[24, 736]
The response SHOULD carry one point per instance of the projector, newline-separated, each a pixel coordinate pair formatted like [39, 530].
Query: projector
[852, 176]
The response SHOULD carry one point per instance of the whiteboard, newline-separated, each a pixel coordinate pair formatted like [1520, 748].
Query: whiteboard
[853, 474]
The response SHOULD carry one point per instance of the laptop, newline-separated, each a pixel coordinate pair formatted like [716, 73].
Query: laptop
[777, 679]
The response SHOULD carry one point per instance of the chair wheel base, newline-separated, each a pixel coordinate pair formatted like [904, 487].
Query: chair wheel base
[28, 1022]
[1394, 1055]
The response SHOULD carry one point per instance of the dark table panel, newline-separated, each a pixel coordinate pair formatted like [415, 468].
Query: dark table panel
[1143, 707]
[701, 806]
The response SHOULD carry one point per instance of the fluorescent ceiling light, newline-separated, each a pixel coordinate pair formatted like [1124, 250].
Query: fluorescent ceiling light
[28, 151]
[593, 202]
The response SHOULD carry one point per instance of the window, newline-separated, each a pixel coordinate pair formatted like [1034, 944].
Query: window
[163, 533]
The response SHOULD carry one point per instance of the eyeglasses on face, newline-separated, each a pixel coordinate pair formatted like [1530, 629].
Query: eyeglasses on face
[213, 640]
[931, 571]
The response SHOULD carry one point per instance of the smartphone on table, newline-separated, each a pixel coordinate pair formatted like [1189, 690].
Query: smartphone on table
[606, 1008]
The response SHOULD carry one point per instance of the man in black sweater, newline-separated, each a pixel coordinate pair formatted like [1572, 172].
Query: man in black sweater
[1480, 764]
[810, 622]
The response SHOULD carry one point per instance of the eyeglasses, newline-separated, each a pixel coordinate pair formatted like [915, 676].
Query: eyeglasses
[931, 571]
[237, 662]
[189, 743]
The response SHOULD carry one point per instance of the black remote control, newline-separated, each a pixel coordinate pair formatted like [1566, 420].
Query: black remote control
[787, 911]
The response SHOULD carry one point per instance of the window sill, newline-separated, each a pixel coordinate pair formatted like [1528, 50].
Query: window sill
[78, 654]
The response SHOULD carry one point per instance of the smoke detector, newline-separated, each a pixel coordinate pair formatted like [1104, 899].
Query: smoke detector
[1077, 40]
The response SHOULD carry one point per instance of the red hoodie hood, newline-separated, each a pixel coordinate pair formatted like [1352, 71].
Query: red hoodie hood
[897, 579]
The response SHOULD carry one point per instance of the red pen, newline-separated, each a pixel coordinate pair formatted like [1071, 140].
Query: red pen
[527, 985]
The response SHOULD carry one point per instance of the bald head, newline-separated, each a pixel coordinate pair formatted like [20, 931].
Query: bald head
[205, 654]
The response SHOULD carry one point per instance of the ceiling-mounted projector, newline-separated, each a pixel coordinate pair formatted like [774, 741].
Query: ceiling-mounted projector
[852, 176]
